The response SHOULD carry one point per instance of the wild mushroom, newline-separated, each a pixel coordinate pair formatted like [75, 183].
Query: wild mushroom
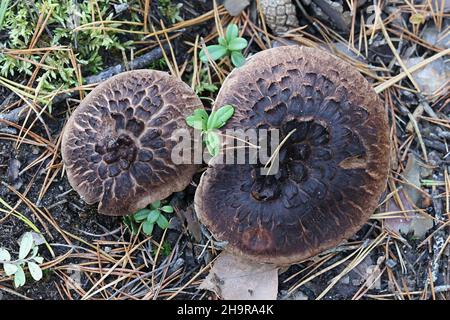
[332, 168]
[117, 144]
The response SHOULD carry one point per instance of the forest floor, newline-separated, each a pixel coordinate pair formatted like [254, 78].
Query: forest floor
[49, 58]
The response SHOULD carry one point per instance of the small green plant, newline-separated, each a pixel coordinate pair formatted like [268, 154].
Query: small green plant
[169, 10]
[130, 223]
[205, 86]
[3, 7]
[89, 45]
[232, 46]
[160, 64]
[209, 124]
[166, 249]
[205, 83]
[148, 217]
[28, 255]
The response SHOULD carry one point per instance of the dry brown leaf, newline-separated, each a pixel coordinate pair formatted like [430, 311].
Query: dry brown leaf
[416, 223]
[235, 278]
[235, 7]
[431, 77]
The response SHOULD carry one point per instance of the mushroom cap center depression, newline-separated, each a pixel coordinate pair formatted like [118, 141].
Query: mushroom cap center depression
[119, 146]
[307, 143]
[119, 150]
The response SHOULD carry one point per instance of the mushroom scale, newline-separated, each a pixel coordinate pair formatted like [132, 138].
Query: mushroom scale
[332, 168]
[117, 144]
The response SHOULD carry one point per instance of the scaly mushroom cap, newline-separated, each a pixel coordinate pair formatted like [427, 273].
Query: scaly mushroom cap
[332, 169]
[117, 144]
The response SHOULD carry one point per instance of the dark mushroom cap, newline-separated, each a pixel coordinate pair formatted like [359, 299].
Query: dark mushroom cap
[332, 169]
[117, 144]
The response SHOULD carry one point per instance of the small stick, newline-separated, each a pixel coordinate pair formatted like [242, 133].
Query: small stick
[380, 88]
[277, 151]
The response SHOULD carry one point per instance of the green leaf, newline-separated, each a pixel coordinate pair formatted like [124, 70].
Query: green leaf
[237, 44]
[212, 143]
[168, 209]
[223, 42]
[129, 222]
[215, 52]
[206, 86]
[19, 277]
[35, 271]
[10, 268]
[4, 255]
[38, 259]
[156, 204]
[237, 58]
[34, 252]
[141, 215]
[220, 117]
[153, 216]
[162, 222]
[147, 227]
[25, 245]
[232, 32]
[3, 8]
[203, 115]
[195, 122]
[198, 119]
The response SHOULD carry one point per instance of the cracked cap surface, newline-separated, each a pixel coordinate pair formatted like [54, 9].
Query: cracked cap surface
[117, 144]
[332, 169]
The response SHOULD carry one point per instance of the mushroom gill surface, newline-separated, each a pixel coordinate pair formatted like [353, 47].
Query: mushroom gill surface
[332, 168]
[117, 144]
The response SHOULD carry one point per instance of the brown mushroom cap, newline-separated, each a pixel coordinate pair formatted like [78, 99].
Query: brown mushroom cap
[117, 144]
[332, 169]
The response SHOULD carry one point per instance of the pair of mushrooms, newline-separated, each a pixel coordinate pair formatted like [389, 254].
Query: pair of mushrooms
[117, 145]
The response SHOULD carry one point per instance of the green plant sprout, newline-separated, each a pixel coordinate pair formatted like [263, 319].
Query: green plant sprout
[205, 86]
[3, 7]
[160, 64]
[208, 124]
[170, 11]
[231, 46]
[148, 217]
[205, 83]
[28, 254]
[166, 249]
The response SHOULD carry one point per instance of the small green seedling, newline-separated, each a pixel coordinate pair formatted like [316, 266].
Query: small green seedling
[205, 86]
[170, 11]
[231, 46]
[3, 7]
[205, 83]
[149, 216]
[208, 124]
[28, 255]
[166, 249]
